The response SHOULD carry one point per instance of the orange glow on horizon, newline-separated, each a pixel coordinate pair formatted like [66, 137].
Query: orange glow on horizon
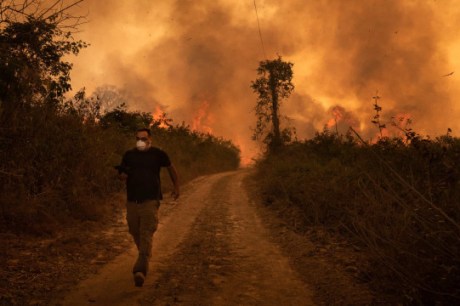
[161, 51]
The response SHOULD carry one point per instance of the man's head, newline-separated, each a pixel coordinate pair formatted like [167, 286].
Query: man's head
[143, 139]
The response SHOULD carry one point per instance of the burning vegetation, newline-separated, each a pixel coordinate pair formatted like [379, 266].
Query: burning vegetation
[391, 193]
[394, 196]
[395, 199]
[57, 154]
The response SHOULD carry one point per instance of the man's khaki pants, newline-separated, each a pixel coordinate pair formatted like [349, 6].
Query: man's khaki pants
[142, 222]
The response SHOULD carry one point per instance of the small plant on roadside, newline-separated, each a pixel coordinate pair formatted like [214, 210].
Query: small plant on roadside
[376, 120]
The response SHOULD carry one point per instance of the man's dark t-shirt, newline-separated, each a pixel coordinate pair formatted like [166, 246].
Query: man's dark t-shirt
[143, 170]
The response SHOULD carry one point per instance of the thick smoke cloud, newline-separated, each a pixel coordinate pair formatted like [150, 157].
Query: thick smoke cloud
[196, 60]
[395, 48]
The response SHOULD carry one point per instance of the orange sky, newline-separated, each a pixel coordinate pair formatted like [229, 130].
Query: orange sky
[190, 57]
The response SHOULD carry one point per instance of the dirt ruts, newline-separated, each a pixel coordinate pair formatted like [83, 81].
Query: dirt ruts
[211, 248]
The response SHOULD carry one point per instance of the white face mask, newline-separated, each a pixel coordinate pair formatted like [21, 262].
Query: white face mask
[141, 145]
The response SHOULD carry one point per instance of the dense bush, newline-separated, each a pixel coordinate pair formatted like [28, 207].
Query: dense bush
[193, 153]
[398, 199]
[57, 166]
[196, 153]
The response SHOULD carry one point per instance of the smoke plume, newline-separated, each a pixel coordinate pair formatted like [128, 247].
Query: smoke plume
[196, 59]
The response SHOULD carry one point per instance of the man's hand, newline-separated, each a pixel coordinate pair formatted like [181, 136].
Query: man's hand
[175, 194]
[122, 176]
[174, 178]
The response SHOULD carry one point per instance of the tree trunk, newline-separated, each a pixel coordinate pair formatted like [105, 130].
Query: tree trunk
[276, 141]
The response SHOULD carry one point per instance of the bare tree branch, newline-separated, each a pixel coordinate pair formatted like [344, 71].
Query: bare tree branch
[49, 9]
[58, 12]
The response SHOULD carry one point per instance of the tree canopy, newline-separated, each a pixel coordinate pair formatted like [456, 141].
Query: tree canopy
[33, 44]
[272, 86]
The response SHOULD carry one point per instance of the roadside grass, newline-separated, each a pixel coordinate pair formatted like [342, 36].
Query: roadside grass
[57, 166]
[396, 200]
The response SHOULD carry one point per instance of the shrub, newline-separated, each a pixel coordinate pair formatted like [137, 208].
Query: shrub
[57, 167]
[398, 200]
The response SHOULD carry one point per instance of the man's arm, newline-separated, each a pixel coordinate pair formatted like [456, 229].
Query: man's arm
[122, 169]
[175, 179]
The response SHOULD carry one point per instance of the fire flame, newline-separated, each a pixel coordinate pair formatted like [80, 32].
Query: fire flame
[402, 122]
[337, 112]
[159, 115]
[203, 120]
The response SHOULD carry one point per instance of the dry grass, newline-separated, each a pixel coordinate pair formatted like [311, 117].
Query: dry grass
[399, 202]
[56, 167]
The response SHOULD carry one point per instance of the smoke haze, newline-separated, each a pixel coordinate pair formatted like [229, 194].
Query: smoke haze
[196, 59]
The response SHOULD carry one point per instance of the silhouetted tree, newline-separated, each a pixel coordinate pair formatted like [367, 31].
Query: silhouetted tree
[34, 38]
[273, 85]
[110, 97]
[125, 120]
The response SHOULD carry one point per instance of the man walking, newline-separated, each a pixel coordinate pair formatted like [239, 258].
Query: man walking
[141, 169]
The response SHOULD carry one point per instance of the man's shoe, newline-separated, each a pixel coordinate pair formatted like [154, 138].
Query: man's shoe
[139, 279]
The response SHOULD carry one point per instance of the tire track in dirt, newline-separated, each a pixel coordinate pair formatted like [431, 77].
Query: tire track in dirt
[203, 260]
[268, 278]
[227, 258]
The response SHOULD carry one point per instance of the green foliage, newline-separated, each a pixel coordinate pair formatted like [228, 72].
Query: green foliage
[272, 85]
[398, 200]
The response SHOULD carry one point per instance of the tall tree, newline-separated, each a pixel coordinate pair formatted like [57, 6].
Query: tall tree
[273, 85]
[34, 38]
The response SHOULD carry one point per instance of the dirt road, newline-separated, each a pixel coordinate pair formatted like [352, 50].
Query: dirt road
[211, 248]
